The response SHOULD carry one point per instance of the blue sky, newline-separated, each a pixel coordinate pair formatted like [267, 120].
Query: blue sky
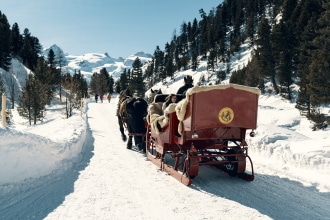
[118, 27]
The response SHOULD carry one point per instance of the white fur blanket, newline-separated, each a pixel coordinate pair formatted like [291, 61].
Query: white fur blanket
[156, 115]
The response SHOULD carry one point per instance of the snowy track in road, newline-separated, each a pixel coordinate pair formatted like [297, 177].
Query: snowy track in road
[122, 184]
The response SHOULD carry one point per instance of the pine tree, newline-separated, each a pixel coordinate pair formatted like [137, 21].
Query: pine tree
[203, 26]
[111, 85]
[45, 75]
[5, 58]
[284, 54]
[55, 72]
[76, 88]
[60, 61]
[2, 92]
[137, 79]
[194, 59]
[81, 84]
[117, 87]
[93, 83]
[168, 59]
[253, 76]
[104, 81]
[30, 50]
[193, 33]
[51, 58]
[159, 65]
[211, 60]
[99, 83]
[305, 59]
[264, 54]
[288, 8]
[250, 20]
[149, 72]
[319, 70]
[221, 29]
[238, 77]
[16, 39]
[184, 39]
[124, 80]
[32, 101]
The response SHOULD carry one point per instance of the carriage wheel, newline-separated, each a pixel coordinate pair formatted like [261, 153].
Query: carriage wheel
[191, 167]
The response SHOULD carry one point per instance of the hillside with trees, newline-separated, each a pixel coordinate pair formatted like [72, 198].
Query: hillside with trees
[44, 78]
[290, 41]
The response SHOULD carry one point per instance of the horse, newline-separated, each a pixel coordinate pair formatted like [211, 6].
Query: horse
[131, 114]
[153, 94]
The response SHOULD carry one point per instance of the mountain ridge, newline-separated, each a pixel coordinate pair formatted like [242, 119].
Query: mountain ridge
[90, 63]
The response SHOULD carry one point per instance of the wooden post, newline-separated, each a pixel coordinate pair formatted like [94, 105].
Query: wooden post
[81, 106]
[3, 110]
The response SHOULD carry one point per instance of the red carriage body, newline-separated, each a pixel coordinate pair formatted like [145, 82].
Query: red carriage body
[208, 127]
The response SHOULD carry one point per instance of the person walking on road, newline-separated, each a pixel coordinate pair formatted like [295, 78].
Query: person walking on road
[101, 97]
[96, 97]
[109, 97]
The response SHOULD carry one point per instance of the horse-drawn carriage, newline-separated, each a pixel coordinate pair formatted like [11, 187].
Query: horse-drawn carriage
[207, 127]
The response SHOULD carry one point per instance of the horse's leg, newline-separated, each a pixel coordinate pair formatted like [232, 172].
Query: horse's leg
[129, 142]
[140, 143]
[134, 129]
[121, 128]
[139, 140]
[129, 130]
[143, 145]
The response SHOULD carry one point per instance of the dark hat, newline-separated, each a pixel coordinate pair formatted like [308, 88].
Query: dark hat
[188, 79]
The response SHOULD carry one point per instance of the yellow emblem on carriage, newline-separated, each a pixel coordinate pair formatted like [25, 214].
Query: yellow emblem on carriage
[226, 115]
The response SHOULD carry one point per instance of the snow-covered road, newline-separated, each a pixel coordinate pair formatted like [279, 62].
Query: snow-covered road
[110, 182]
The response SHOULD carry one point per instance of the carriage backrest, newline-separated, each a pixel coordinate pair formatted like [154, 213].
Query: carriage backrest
[160, 97]
[219, 106]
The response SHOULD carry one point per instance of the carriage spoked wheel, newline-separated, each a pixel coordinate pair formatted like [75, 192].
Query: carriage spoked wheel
[191, 167]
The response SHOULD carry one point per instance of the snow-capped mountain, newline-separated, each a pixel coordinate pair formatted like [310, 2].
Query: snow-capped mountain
[89, 63]
[93, 62]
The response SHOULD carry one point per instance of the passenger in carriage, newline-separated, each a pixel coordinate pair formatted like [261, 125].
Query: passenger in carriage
[172, 98]
[188, 83]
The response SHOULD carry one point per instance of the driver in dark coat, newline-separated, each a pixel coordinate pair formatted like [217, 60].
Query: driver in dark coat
[188, 83]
